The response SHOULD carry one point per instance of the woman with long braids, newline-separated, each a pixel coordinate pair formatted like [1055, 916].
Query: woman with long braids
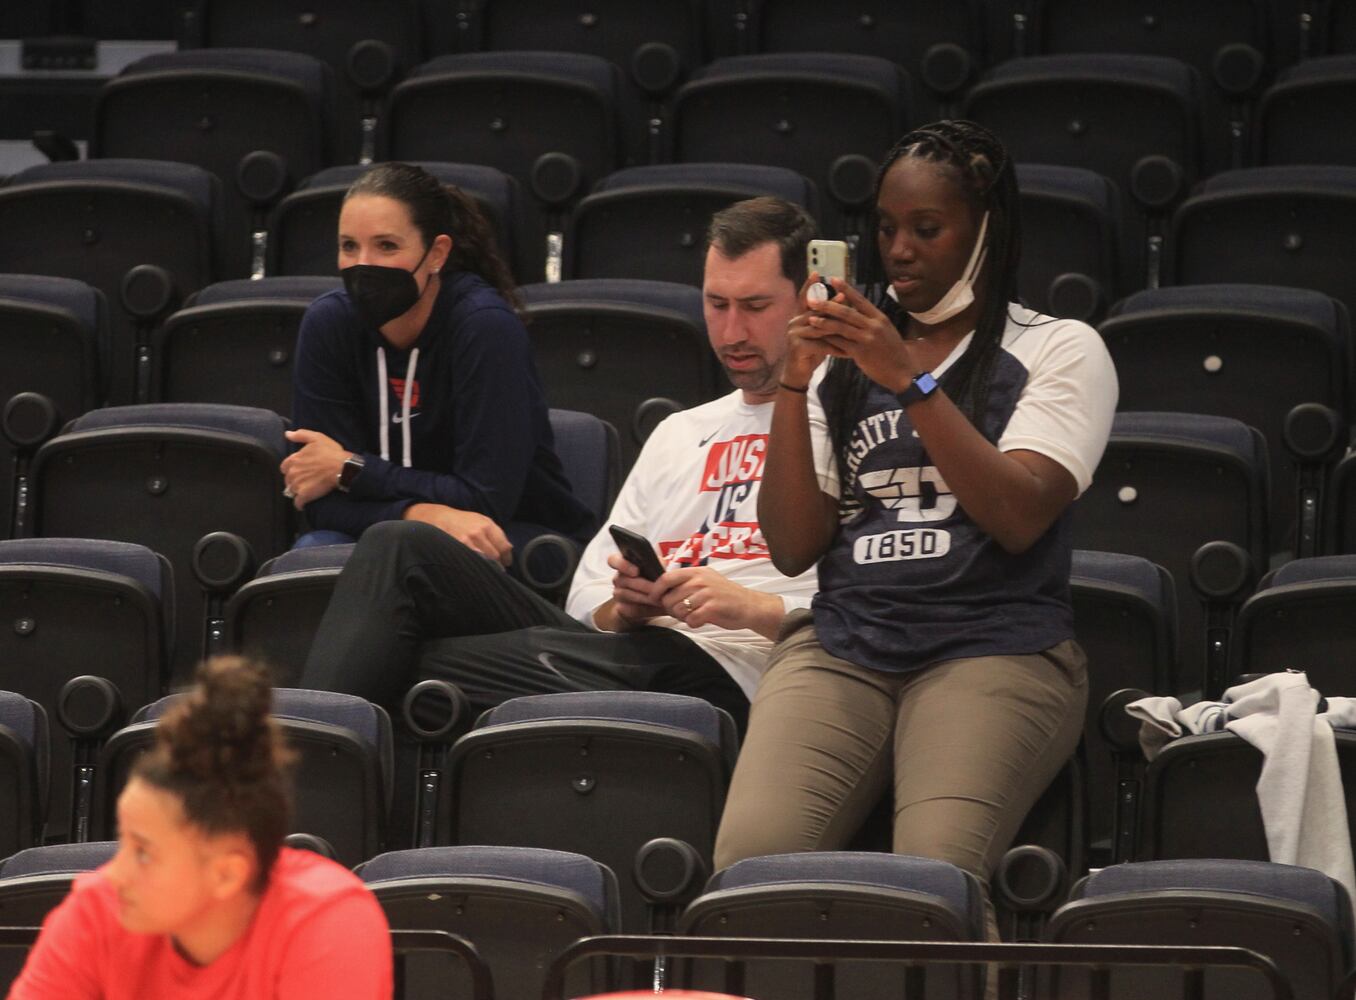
[202, 899]
[938, 657]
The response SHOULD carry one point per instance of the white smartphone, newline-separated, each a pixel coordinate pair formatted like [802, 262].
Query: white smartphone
[831, 259]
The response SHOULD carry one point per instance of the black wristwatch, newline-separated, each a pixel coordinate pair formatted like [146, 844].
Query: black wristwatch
[922, 386]
[349, 472]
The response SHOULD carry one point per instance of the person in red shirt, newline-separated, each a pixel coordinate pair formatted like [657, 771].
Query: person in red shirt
[202, 899]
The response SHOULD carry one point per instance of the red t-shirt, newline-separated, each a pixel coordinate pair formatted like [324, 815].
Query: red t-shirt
[318, 934]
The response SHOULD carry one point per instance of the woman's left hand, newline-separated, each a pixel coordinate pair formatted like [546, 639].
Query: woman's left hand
[860, 331]
[313, 470]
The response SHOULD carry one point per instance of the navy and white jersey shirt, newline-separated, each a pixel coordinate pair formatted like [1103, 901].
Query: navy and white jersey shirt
[909, 579]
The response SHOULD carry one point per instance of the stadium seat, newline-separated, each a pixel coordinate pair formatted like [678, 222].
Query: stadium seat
[828, 116]
[259, 119]
[1125, 618]
[1134, 119]
[1281, 226]
[34, 881]
[1302, 117]
[303, 227]
[1218, 349]
[593, 340]
[165, 475]
[650, 222]
[343, 777]
[940, 45]
[142, 232]
[1072, 252]
[82, 607]
[550, 120]
[234, 343]
[598, 773]
[1301, 617]
[840, 895]
[24, 763]
[519, 906]
[1167, 484]
[1298, 917]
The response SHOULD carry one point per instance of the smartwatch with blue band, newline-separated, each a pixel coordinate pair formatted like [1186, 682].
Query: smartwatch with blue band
[922, 386]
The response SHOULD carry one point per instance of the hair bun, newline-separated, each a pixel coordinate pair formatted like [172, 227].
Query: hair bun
[221, 731]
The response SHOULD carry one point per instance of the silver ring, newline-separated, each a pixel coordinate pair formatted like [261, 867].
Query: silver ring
[687, 605]
[287, 492]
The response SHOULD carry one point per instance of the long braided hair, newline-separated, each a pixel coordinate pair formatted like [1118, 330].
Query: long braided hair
[985, 172]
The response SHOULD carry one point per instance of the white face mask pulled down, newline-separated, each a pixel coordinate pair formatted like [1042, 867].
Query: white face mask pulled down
[960, 295]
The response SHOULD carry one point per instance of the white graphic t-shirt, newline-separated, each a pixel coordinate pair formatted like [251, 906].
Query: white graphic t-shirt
[694, 493]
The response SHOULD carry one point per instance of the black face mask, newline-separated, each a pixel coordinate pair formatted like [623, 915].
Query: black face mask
[380, 294]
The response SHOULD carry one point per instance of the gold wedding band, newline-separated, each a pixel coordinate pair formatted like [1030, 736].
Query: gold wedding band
[687, 605]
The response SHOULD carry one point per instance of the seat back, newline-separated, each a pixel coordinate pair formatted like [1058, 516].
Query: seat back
[1206, 349]
[143, 233]
[1167, 484]
[164, 475]
[24, 742]
[1298, 917]
[1300, 117]
[840, 895]
[650, 222]
[269, 116]
[275, 616]
[652, 765]
[235, 344]
[343, 775]
[82, 607]
[590, 452]
[519, 906]
[590, 337]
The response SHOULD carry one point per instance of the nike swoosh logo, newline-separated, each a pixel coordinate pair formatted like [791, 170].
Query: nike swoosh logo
[545, 660]
[707, 440]
[399, 418]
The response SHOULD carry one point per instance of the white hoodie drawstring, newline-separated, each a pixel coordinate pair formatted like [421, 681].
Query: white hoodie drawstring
[385, 408]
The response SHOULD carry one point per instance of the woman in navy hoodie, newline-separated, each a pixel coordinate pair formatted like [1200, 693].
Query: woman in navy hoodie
[415, 394]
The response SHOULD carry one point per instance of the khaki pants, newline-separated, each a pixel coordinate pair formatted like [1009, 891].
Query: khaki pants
[970, 745]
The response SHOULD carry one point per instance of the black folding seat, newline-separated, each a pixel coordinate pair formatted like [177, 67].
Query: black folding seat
[79, 608]
[24, 746]
[1134, 119]
[628, 351]
[302, 229]
[840, 895]
[1339, 508]
[343, 777]
[1304, 117]
[33, 882]
[54, 338]
[1209, 349]
[828, 116]
[1281, 226]
[165, 475]
[1073, 260]
[655, 45]
[142, 232]
[369, 45]
[1125, 618]
[548, 119]
[234, 343]
[1302, 617]
[259, 119]
[274, 617]
[519, 906]
[600, 773]
[1298, 917]
[1226, 41]
[650, 222]
[1169, 483]
[941, 44]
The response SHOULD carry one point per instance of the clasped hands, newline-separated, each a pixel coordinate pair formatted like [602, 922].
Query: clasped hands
[696, 595]
[847, 325]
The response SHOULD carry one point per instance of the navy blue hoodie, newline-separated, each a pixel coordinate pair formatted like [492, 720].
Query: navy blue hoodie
[479, 436]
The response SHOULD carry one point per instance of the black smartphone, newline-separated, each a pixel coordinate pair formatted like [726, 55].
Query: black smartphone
[638, 551]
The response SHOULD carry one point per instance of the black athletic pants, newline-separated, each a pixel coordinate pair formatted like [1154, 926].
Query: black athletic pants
[413, 603]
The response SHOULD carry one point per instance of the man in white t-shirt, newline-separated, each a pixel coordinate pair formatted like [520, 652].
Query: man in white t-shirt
[413, 603]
